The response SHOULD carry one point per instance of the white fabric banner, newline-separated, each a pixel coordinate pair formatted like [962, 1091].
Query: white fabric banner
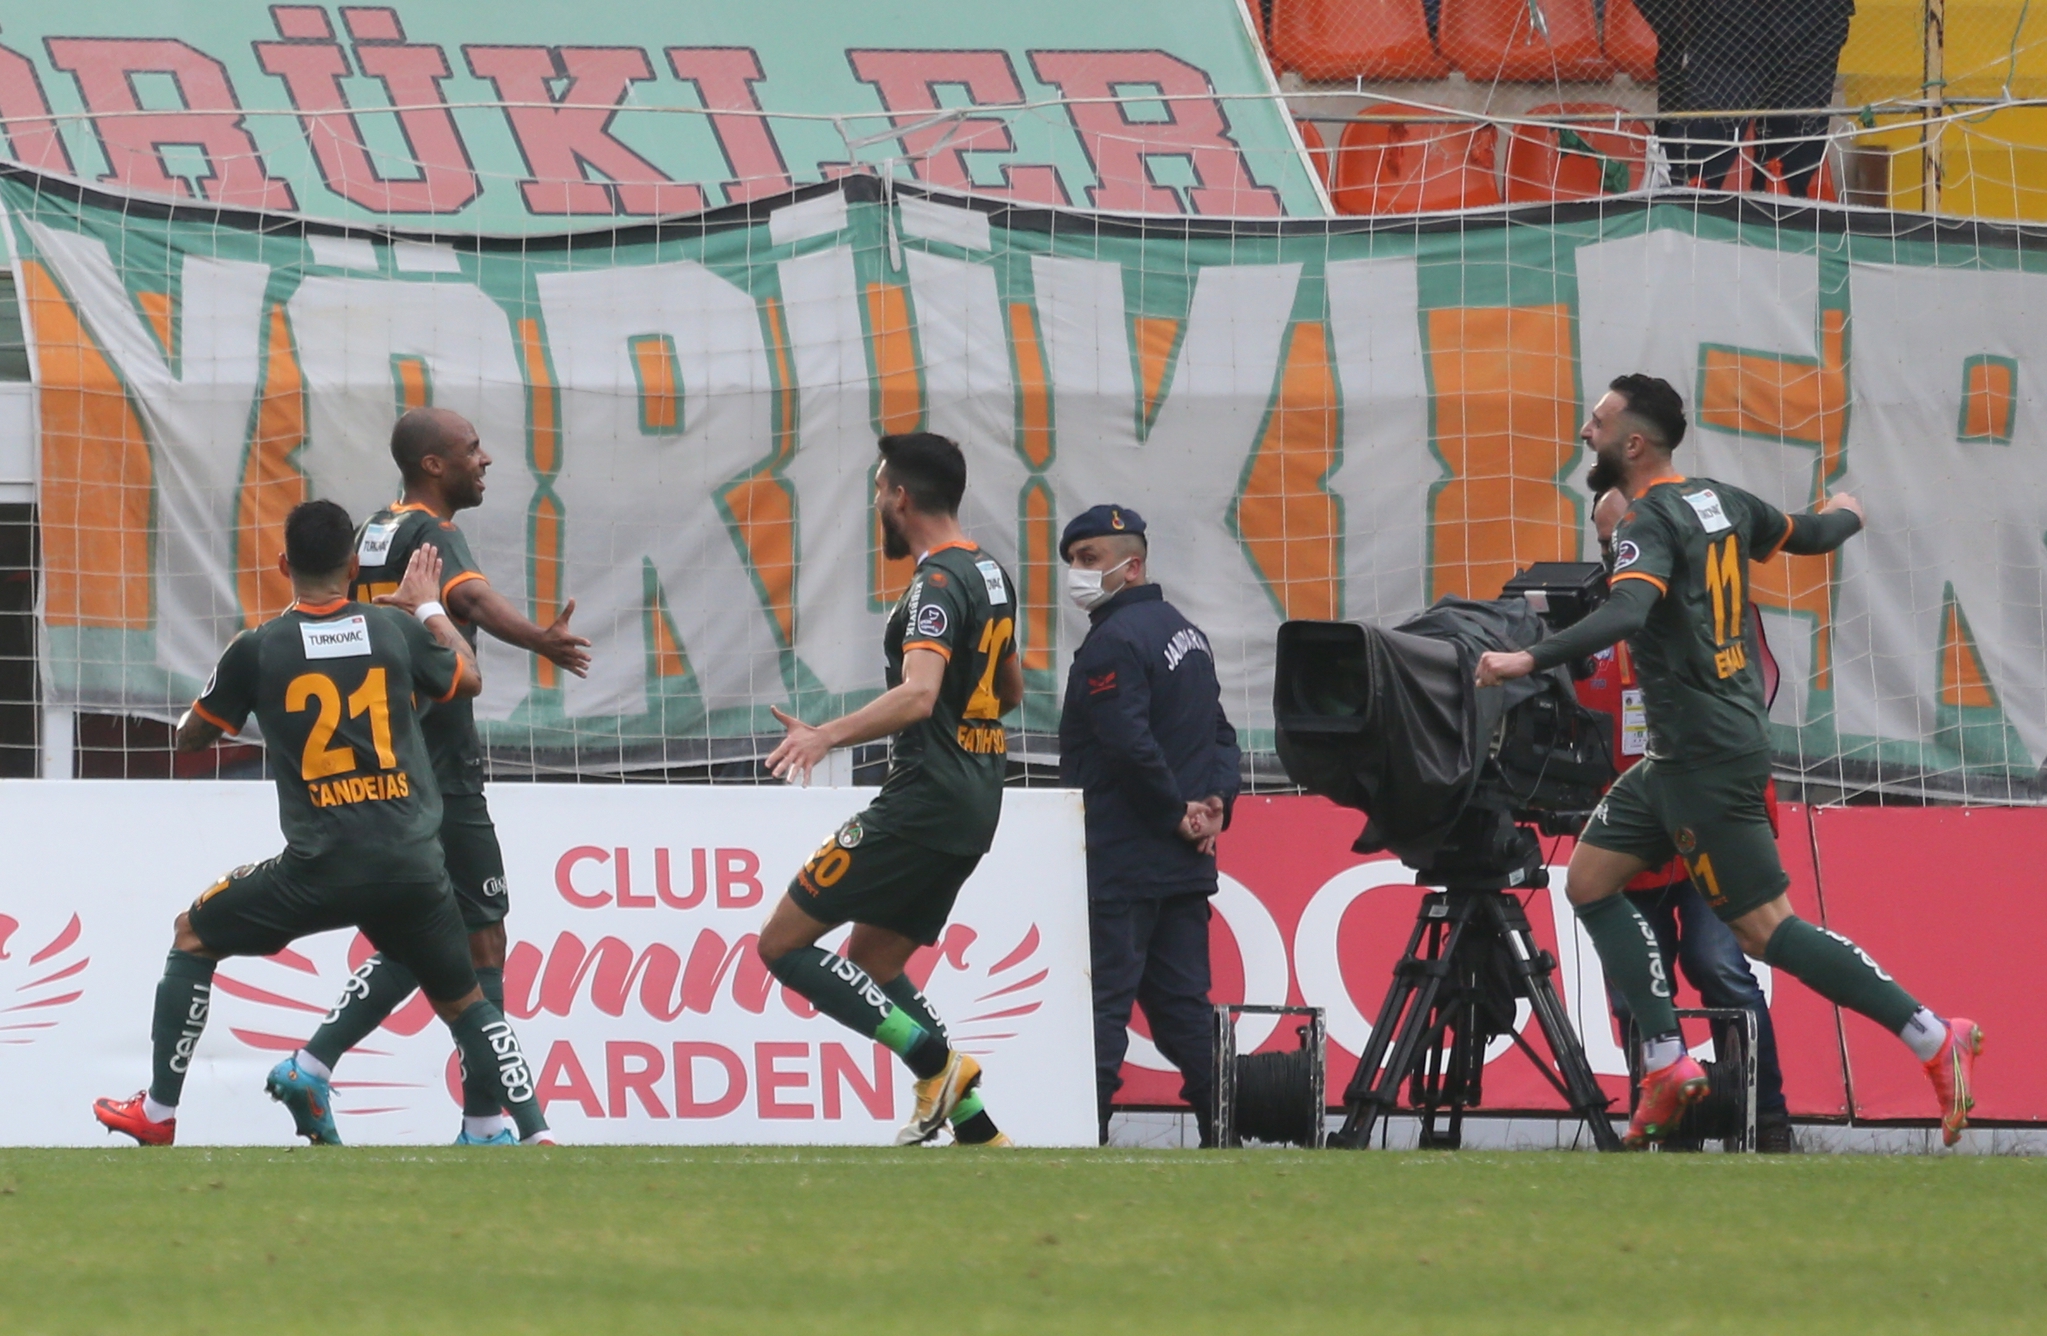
[632, 978]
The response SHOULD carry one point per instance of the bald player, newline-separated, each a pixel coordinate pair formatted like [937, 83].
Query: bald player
[441, 463]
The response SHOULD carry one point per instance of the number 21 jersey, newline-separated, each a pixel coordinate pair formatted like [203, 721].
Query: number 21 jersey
[336, 687]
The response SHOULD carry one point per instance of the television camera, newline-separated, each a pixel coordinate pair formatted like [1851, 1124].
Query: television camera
[1457, 782]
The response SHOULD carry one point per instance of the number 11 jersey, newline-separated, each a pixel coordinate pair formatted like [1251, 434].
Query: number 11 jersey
[336, 689]
[1701, 672]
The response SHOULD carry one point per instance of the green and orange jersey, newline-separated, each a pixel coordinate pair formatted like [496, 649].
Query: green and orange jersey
[384, 545]
[334, 687]
[1701, 672]
[944, 785]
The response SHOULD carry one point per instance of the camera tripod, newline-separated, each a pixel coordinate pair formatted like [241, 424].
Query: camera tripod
[1471, 957]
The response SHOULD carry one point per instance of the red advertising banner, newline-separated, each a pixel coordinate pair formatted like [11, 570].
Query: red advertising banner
[1947, 900]
[1301, 919]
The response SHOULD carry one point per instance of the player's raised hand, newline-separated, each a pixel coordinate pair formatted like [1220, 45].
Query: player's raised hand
[1495, 667]
[563, 648]
[1843, 501]
[800, 752]
[422, 582]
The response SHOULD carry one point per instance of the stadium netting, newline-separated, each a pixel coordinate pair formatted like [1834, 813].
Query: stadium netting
[1319, 418]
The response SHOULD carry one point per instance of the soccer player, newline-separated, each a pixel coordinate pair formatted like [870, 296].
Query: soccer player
[1688, 932]
[1680, 599]
[330, 683]
[441, 464]
[894, 870]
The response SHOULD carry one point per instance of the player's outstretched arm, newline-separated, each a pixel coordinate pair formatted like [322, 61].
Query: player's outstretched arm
[196, 734]
[1825, 529]
[894, 710]
[475, 602]
[416, 593]
[1625, 611]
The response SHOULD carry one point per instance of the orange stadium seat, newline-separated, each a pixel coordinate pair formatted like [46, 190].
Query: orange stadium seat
[1386, 166]
[1317, 146]
[1496, 41]
[1354, 39]
[1542, 166]
[1630, 41]
[1824, 186]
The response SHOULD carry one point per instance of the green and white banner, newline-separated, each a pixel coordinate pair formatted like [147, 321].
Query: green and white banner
[1318, 419]
[530, 116]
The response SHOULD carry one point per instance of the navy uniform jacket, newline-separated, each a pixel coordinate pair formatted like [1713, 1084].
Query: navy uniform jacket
[1142, 735]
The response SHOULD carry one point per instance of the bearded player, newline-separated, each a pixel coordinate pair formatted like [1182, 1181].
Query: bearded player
[441, 464]
[330, 683]
[1680, 599]
[894, 870]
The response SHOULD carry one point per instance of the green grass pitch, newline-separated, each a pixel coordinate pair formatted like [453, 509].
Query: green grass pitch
[786, 1241]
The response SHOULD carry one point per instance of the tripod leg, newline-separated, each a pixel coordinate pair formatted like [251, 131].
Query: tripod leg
[1531, 967]
[1406, 1020]
[1361, 1108]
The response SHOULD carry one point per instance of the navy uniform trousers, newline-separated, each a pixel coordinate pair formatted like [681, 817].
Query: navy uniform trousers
[1154, 952]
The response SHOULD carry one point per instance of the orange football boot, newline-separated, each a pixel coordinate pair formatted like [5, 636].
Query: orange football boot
[126, 1115]
[1953, 1073]
[1665, 1095]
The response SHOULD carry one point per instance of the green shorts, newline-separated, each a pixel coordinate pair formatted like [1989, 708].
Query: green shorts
[260, 909]
[1715, 817]
[476, 865]
[883, 881]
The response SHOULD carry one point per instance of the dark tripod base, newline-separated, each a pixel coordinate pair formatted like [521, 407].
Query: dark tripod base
[1472, 956]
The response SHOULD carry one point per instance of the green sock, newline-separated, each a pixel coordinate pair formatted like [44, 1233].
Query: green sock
[490, 1048]
[479, 1090]
[183, 998]
[971, 1124]
[1840, 971]
[1627, 949]
[844, 992]
[374, 991]
[905, 995]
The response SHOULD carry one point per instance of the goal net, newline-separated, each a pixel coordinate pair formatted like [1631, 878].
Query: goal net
[1318, 418]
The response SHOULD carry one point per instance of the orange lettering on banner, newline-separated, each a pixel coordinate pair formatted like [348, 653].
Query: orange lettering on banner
[541, 401]
[1505, 407]
[660, 383]
[899, 407]
[543, 405]
[1963, 679]
[547, 574]
[1034, 443]
[1157, 339]
[1989, 400]
[96, 479]
[760, 504]
[415, 387]
[157, 308]
[1290, 527]
[1033, 387]
[668, 656]
[1040, 543]
[271, 481]
[900, 400]
[1799, 401]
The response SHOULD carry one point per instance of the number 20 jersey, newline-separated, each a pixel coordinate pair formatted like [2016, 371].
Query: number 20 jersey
[944, 785]
[1697, 656]
[336, 689]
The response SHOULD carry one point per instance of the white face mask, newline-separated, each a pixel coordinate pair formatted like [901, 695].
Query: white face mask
[1084, 587]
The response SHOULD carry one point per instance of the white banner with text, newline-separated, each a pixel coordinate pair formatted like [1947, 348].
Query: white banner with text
[632, 976]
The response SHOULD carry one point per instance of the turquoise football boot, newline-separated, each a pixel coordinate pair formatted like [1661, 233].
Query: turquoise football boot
[310, 1099]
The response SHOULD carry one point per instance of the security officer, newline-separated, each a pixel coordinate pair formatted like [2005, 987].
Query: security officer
[1143, 736]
